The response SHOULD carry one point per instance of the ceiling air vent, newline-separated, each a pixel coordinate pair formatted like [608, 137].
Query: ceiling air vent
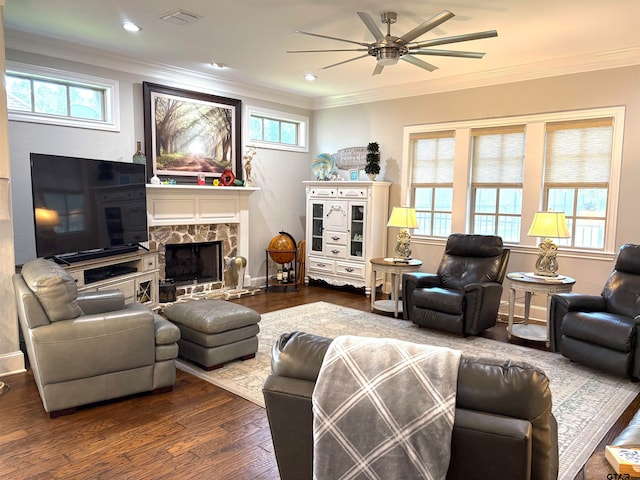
[180, 17]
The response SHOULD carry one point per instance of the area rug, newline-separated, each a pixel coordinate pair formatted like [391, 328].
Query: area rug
[586, 403]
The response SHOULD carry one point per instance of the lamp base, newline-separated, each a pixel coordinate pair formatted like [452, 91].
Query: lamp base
[547, 264]
[403, 247]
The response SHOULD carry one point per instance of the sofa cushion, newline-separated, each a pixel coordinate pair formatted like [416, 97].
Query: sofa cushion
[55, 289]
[439, 299]
[609, 330]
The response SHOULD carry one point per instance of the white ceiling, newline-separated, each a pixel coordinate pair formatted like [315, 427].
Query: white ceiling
[535, 39]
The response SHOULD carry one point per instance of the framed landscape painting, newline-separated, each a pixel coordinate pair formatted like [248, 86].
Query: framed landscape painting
[188, 134]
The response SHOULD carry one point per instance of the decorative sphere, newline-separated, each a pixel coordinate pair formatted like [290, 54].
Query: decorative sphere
[280, 242]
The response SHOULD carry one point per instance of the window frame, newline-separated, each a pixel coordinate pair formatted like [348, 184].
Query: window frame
[301, 121]
[534, 194]
[110, 88]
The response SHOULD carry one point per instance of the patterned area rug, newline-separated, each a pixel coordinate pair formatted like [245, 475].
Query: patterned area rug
[586, 403]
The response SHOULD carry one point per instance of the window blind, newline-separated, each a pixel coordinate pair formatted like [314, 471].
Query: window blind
[432, 157]
[498, 155]
[579, 151]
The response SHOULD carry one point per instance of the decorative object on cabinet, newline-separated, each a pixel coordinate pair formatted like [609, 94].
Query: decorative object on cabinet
[323, 166]
[548, 225]
[351, 158]
[227, 178]
[346, 227]
[403, 218]
[372, 168]
[282, 256]
[354, 174]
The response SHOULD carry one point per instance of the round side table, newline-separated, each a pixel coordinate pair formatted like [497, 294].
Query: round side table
[530, 284]
[396, 269]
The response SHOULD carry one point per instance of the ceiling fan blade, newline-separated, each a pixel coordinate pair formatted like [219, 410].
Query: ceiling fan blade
[344, 61]
[455, 39]
[331, 38]
[448, 53]
[371, 25]
[321, 51]
[378, 69]
[424, 27]
[418, 63]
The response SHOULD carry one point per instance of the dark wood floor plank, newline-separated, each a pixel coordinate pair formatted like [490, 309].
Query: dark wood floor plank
[196, 431]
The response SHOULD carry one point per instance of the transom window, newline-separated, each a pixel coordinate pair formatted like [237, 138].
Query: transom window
[277, 130]
[40, 95]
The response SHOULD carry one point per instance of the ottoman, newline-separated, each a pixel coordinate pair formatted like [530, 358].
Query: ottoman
[214, 332]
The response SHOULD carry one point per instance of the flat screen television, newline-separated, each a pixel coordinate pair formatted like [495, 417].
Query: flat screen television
[85, 208]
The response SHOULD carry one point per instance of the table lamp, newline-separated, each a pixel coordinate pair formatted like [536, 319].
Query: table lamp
[404, 218]
[548, 225]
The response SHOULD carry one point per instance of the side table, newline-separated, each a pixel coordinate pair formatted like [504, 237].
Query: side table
[396, 269]
[530, 284]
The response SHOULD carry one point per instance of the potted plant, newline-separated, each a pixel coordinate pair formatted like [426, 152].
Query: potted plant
[372, 168]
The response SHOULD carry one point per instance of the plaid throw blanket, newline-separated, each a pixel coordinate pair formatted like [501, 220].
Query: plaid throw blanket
[384, 409]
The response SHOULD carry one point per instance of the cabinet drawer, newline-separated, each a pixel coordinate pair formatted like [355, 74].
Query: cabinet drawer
[335, 251]
[355, 270]
[321, 265]
[335, 238]
[322, 192]
[149, 263]
[352, 192]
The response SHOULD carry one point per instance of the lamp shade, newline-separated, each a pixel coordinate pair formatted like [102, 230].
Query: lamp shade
[549, 225]
[403, 217]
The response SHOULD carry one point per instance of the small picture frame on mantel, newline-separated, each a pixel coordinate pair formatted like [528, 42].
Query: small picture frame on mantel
[354, 174]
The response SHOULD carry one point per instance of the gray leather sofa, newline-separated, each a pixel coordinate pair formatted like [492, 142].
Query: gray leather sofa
[90, 347]
[504, 428]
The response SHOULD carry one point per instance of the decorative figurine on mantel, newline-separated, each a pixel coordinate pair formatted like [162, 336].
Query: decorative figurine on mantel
[372, 168]
[248, 158]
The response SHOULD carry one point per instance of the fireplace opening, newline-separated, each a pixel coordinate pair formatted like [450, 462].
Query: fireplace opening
[187, 263]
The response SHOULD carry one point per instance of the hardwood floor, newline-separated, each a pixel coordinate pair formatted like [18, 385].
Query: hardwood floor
[198, 431]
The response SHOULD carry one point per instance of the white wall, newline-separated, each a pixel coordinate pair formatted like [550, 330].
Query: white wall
[279, 205]
[383, 122]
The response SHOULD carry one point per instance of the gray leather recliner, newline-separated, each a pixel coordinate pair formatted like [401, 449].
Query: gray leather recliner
[463, 296]
[504, 427]
[90, 347]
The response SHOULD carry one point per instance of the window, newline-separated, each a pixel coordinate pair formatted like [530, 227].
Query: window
[277, 130]
[577, 173]
[497, 158]
[432, 182]
[36, 94]
[490, 176]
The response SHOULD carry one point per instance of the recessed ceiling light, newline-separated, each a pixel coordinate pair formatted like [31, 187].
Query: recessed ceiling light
[131, 27]
[218, 65]
[310, 76]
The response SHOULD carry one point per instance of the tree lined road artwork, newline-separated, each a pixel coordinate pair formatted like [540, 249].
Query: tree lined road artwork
[192, 135]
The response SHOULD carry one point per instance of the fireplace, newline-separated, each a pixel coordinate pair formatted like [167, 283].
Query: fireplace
[187, 263]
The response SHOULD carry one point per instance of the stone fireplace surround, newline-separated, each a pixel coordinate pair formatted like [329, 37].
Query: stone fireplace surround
[197, 213]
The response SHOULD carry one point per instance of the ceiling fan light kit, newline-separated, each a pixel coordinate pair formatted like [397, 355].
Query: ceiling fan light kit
[388, 49]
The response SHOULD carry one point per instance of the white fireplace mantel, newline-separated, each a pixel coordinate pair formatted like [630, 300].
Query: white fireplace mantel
[200, 204]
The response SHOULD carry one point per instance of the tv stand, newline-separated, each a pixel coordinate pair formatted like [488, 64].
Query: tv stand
[135, 273]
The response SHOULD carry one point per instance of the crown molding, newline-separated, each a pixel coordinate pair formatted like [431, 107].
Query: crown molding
[169, 74]
[70, 51]
[517, 73]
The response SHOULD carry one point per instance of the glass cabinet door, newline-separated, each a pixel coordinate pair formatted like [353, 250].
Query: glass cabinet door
[317, 226]
[356, 230]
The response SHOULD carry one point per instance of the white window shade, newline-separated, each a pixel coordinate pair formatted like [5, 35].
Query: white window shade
[498, 155]
[432, 157]
[580, 151]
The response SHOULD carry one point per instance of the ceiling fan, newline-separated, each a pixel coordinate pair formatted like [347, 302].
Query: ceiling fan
[388, 49]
